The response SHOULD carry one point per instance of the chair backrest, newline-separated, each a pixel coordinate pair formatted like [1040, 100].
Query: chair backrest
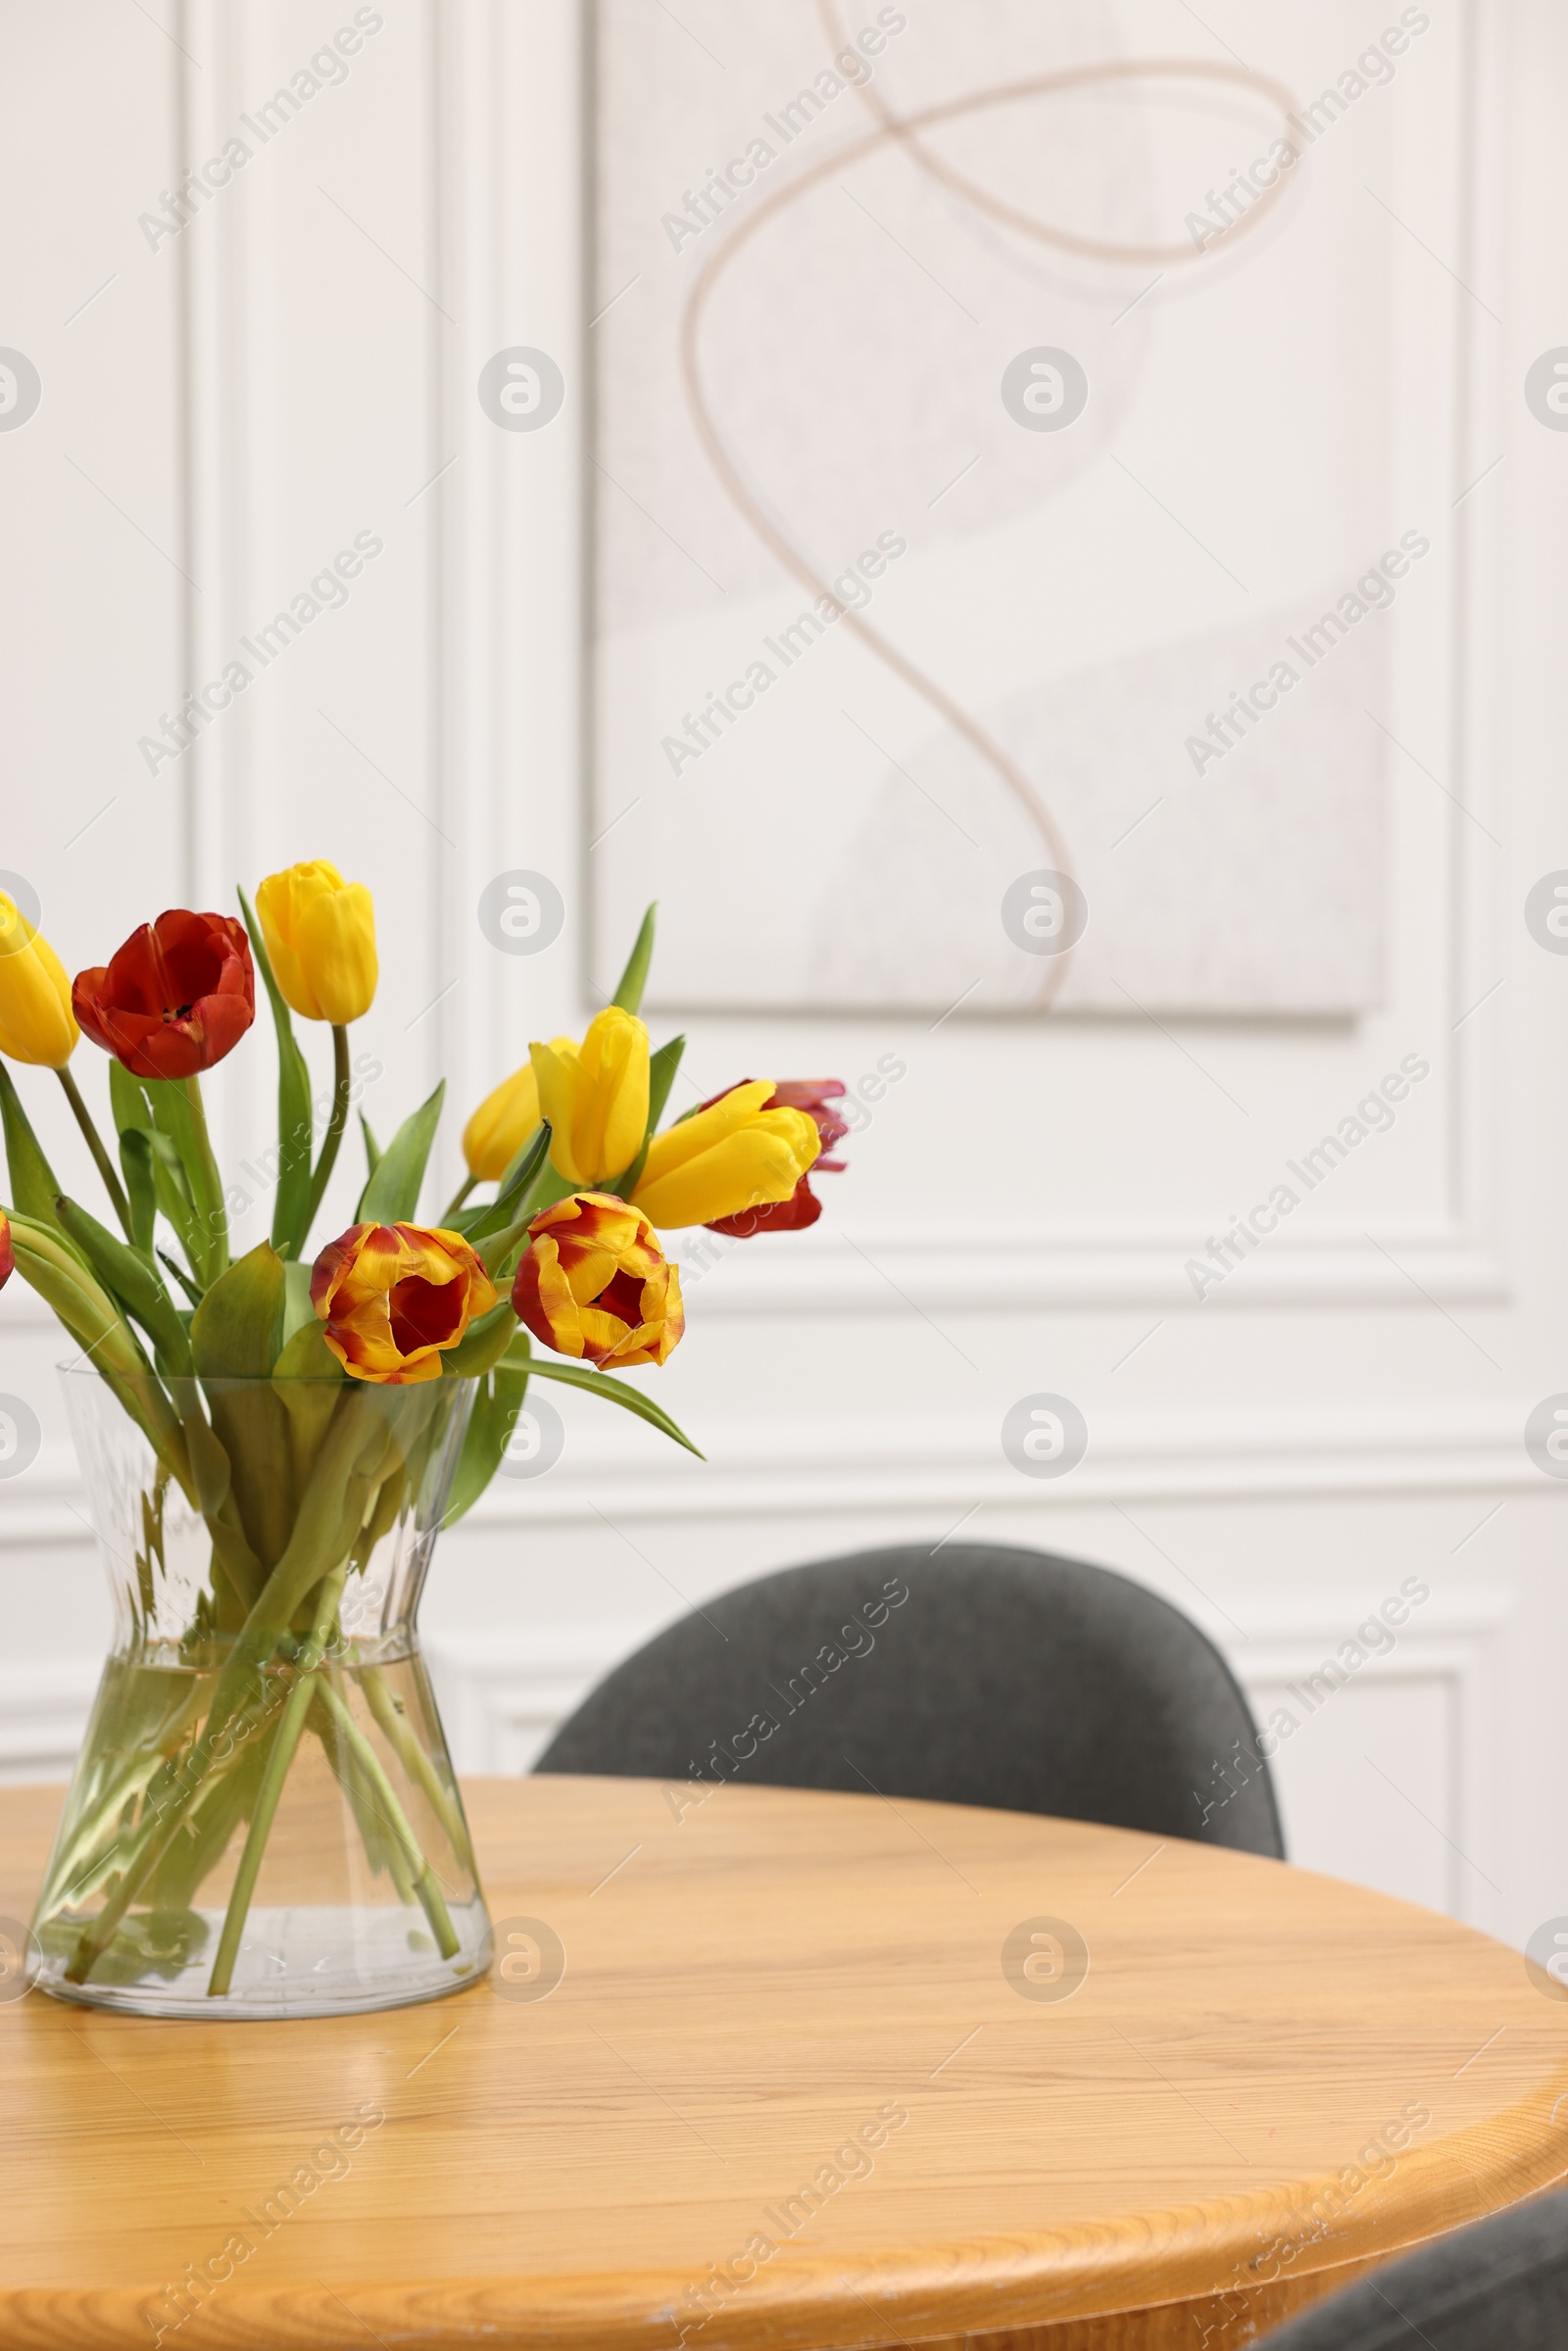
[1500, 2285]
[976, 1675]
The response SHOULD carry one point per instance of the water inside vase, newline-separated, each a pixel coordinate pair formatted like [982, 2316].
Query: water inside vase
[363, 1891]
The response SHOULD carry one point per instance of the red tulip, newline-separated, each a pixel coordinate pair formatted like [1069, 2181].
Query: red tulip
[176, 998]
[813, 1095]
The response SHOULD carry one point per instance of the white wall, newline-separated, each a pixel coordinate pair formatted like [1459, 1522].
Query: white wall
[1344, 1412]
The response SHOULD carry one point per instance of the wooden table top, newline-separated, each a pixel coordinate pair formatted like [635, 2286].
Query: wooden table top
[808, 2080]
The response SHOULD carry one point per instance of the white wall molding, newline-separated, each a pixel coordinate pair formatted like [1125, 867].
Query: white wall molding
[881, 1268]
[997, 1274]
[937, 1462]
[43, 1715]
[948, 1461]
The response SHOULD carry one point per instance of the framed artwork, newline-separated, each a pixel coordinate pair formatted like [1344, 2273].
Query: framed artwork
[1015, 564]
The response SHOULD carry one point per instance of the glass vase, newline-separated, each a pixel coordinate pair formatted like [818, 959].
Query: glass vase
[264, 1820]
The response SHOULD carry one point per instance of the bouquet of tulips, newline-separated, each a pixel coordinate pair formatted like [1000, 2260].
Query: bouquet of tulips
[314, 1414]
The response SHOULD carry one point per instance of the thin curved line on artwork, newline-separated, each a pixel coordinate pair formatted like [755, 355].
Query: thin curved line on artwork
[902, 129]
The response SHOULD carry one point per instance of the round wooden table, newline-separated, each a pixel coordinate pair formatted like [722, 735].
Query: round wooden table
[789, 2070]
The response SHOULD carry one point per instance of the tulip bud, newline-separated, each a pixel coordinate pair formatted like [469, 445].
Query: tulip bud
[734, 1155]
[320, 941]
[596, 1097]
[505, 1120]
[395, 1298]
[35, 1017]
[595, 1284]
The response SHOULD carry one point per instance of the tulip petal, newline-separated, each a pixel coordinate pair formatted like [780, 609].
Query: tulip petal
[174, 998]
[556, 1079]
[594, 1284]
[689, 1136]
[394, 1296]
[36, 1024]
[747, 1168]
[596, 1097]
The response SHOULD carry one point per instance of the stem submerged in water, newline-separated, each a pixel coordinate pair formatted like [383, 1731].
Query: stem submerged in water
[173, 1789]
[394, 1818]
[285, 1739]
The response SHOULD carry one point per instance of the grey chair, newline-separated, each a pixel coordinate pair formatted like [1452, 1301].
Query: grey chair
[976, 1675]
[1500, 2285]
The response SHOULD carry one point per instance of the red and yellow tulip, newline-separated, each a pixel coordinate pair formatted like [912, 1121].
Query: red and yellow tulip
[394, 1298]
[595, 1284]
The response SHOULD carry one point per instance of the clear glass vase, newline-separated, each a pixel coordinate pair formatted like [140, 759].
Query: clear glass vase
[264, 1820]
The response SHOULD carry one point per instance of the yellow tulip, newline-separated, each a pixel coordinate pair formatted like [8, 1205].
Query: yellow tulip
[596, 1097]
[36, 1022]
[505, 1120]
[320, 941]
[735, 1154]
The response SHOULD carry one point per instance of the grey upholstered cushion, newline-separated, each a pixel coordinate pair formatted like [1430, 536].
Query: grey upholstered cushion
[976, 1676]
[1501, 2285]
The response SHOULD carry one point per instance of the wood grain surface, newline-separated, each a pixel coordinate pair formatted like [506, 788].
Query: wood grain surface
[786, 2094]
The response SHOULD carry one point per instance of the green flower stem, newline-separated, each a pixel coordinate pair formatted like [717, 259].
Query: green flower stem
[382, 1848]
[285, 1739]
[335, 1124]
[148, 1758]
[347, 1470]
[457, 1200]
[401, 1736]
[207, 1186]
[330, 1514]
[144, 1852]
[395, 1819]
[95, 1144]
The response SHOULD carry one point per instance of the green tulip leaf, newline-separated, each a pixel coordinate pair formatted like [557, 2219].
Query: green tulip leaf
[661, 1077]
[490, 1425]
[392, 1194]
[483, 1344]
[306, 1355]
[296, 1123]
[600, 1383]
[236, 1333]
[133, 1281]
[634, 979]
[136, 1161]
[298, 1311]
[187, 1184]
[372, 1148]
[34, 1186]
[514, 1186]
[180, 1119]
[661, 1070]
[127, 1098]
[175, 1200]
[307, 1380]
[181, 1277]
